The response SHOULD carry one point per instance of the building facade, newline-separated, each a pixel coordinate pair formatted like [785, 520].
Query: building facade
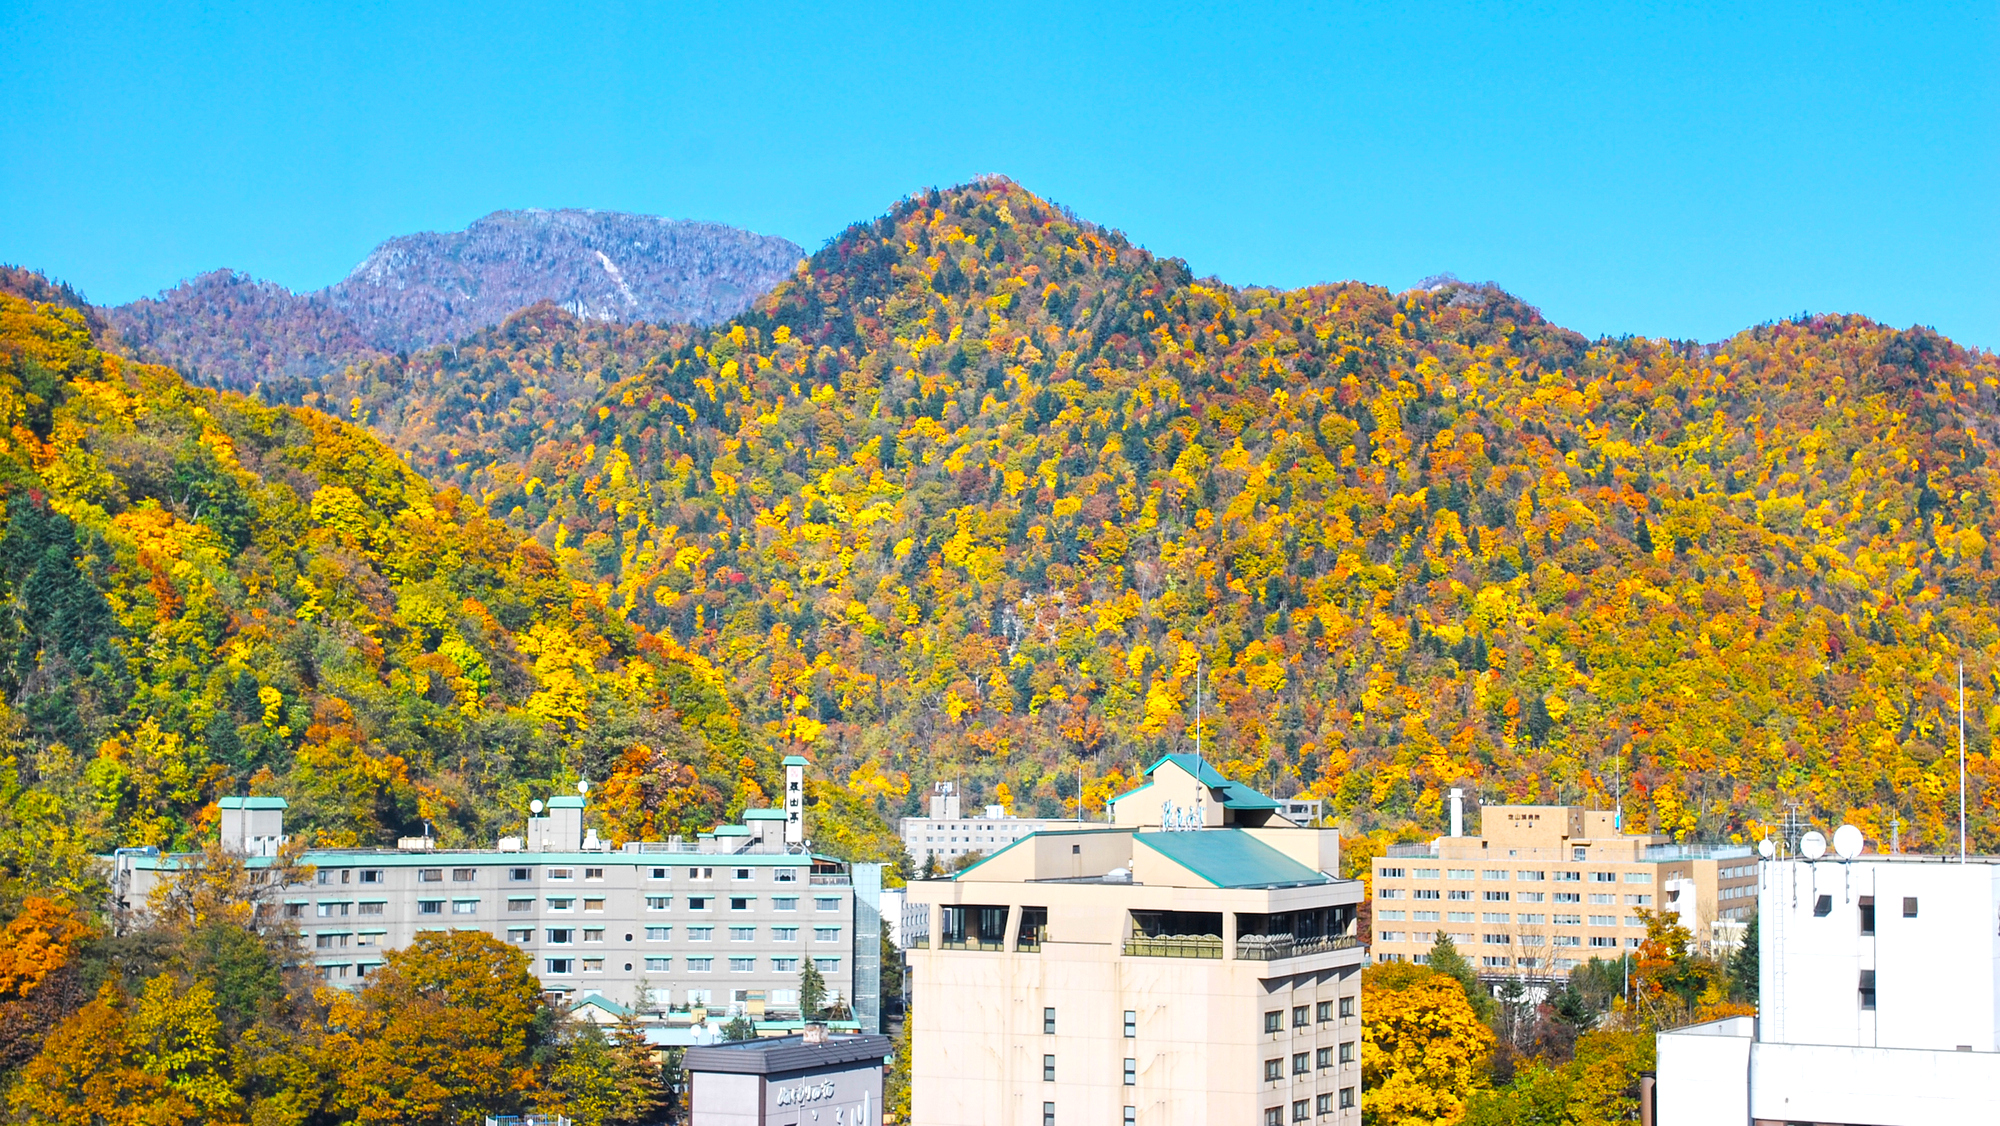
[810, 1079]
[1140, 974]
[723, 923]
[1544, 889]
[1878, 1002]
[947, 835]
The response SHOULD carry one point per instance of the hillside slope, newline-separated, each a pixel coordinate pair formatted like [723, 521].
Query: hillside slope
[982, 490]
[431, 288]
[201, 595]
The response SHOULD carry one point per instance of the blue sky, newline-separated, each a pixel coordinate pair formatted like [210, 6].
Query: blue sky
[1642, 168]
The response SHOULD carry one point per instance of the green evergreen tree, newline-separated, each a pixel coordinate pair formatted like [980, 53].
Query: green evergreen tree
[812, 991]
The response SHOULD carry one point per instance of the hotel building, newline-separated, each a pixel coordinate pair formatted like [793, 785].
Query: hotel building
[1546, 888]
[1193, 960]
[722, 923]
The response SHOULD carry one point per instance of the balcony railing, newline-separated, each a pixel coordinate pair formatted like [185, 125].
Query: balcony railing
[1032, 939]
[972, 944]
[835, 881]
[1174, 946]
[1272, 947]
[1408, 852]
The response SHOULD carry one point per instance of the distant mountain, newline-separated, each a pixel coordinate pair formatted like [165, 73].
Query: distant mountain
[228, 328]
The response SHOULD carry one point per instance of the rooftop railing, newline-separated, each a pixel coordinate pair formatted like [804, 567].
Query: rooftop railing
[1174, 946]
[989, 944]
[1407, 851]
[1272, 947]
[839, 880]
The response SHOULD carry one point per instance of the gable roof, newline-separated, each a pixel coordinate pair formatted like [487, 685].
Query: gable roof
[1235, 795]
[1230, 858]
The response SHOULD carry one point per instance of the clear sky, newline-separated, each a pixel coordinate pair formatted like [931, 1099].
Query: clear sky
[1641, 168]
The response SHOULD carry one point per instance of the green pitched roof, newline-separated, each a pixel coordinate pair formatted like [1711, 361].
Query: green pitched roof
[1235, 795]
[253, 803]
[565, 803]
[795, 760]
[750, 815]
[1230, 858]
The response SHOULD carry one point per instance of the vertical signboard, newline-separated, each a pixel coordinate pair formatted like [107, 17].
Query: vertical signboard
[795, 800]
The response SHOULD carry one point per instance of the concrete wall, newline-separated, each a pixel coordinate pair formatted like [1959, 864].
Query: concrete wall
[1704, 1074]
[1879, 1086]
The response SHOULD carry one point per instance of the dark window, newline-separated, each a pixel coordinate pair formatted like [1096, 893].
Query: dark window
[1299, 1111]
[1274, 1070]
[1299, 1019]
[1076, 850]
[1131, 1024]
[1346, 1097]
[1909, 907]
[1301, 1064]
[1346, 1007]
[1868, 989]
[1048, 1114]
[1325, 1104]
[1325, 1057]
[1274, 1022]
[1867, 914]
[430, 906]
[1048, 1069]
[1823, 906]
[1131, 1116]
[1048, 1022]
[1325, 1010]
[1274, 1116]
[464, 875]
[520, 874]
[1347, 1052]
[1131, 1073]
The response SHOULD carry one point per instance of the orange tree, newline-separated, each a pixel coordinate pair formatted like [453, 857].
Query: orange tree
[444, 1033]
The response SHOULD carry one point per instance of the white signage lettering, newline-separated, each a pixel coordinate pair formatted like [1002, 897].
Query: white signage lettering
[810, 1093]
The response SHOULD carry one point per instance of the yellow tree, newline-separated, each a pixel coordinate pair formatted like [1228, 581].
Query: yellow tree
[1423, 1050]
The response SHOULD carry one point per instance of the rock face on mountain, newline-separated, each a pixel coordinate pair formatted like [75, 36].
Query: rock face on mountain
[423, 289]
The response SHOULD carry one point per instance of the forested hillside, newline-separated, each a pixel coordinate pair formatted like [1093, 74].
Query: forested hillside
[201, 595]
[983, 489]
[229, 329]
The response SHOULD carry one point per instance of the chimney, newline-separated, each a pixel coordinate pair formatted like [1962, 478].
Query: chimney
[1457, 812]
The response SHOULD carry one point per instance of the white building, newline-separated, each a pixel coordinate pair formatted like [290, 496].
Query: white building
[1195, 960]
[948, 835]
[1879, 993]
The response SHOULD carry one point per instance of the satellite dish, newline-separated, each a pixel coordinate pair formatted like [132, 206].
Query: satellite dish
[582, 787]
[1813, 844]
[535, 806]
[1765, 848]
[1847, 842]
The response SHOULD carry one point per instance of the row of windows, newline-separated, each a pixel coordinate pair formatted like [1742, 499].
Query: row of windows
[337, 908]
[1522, 874]
[1492, 961]
[1303, 1063]
[1274, 1020]
[1465, 896]
[693, 965]
[1525, 918]
[524, 874]
[1459, 939]
[1324, 1104]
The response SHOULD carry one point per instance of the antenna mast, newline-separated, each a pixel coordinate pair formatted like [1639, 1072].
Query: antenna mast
[1961, 761]
[1197, 714]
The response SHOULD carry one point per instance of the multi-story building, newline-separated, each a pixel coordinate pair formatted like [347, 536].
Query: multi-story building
[1545, 888]
[1878, 1002]
[948, 835]
[1194, 960]
[725, 922]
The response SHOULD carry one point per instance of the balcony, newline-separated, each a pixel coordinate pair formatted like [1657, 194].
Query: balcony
[1174, 946]
[1272, 947]
[840, 880]
[972, 944]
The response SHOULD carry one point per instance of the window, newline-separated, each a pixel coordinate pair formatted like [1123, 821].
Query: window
[1578, 853]
[593, 965]
[785, 875]
[594, 934]
[742, 934]
[430, 906]
[1420, 893]
[1131, 1116]
[561, 965]
[1638, 901]
[1604, 920]
[430, 875]
[1346, 1097]
[741, 873]
[1301, 1064]
[1530, 897]
[564, 904]
[1346, 1008]
[1868, 990]
[741, 902]
[1274, 1021]
[1458, 895]
[328, 910]
[1299, 1111]
[330, 941]
[701, 873]
[701, 934]
[656, 873]
[1494, 962]
[1299, 1016]
[1324, 1058]
[659, 902]
[561, 936]
[1602, 940]
[1568, 897]
[593, 873]
[1600, 897]
[657, 965]
[784, 934]
[1325, 1011]
[1909, 907]
[464, 875]
[1823, 906]
[520, 905]
[659, 934]
[519, 875]
[1493, 874]
[1458, 916]
[827, 965]
[1531, 875]
[561, 874]
[1397, 893]
[1493, 917]
[295, 910]
[700, 965]
[371, 875]
[1324, 1104]
[1048, 1114]
[1867, 914]
[465, 907]
[785, 903]
[593, 905]
[1424, 873]
[1347, 1052]
[1604, 877]
[1569, 877]
[1496, 897]
[826, 903]
[697, 903]
[1048, 1022]
[1131, 1023]
[785, 965]
[1568, 940]
[1048, 1069]
[520, 934]
[1460, 874]
[742, 965]
[1389, 874]
[1638, 877]
[374, 908]
[1274, 1070]
[1131, 1072]
[1493, 939]
[1274, 1116]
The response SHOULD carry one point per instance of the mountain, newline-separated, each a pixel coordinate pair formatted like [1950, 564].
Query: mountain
[201, 594]
[427, 289]
[986, 492]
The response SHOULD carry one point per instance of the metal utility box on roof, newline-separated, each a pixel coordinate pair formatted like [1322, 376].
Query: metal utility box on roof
[789, 1081]
[253, 826]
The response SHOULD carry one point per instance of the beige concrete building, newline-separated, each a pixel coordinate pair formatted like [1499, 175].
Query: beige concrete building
[1194, 960]
[1544, 889]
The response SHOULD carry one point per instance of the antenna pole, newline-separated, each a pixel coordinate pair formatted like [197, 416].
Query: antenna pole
[1961, 762]
[1197, 711]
